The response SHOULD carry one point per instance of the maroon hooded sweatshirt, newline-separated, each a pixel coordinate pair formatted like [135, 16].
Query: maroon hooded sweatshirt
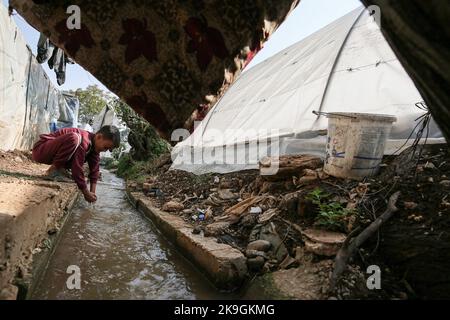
[69, 148]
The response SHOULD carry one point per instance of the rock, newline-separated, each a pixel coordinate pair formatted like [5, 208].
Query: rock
[255, 253]
[299, 254]
[445, 183]
[225, 184]
[172, 206]
[288, 262]
[430, 179]
[429, 166]
[226, 194]
[321, 174]
[52, 230]
[133, 185]
[323, 243]
[278, 249]
[255, 264]
[248, 221]
[259, 245]
[216, 228]
[10, 292]
[409, 205]
[18, 159]
[197, 230]
[146, 186]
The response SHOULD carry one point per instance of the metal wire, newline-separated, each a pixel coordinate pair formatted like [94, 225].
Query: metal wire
[423, 123]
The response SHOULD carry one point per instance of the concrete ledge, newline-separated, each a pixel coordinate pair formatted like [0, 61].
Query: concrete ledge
[224, 265]
[29, 211]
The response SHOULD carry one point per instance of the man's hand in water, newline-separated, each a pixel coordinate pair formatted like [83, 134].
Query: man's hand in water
[89, 196]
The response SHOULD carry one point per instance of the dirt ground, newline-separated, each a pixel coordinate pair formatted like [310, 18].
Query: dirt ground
[239, 208]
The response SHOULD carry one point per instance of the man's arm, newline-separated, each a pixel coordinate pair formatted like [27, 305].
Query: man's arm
[93, 186]
[78, 175]
[94, 170]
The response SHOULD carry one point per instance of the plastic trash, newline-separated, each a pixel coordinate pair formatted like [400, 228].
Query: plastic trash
[256, 210]
[155, 192]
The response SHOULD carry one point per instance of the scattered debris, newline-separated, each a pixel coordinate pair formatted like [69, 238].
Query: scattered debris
[242, 207]
[280, 168]
[445, 183]
[216, 228]
[409, 205]
[172, 206]
[323, 243]
[268, 214]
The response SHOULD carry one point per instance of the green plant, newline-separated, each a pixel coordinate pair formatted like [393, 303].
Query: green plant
[332, 215]
[92, 101]
[145, 142]
[130, 169]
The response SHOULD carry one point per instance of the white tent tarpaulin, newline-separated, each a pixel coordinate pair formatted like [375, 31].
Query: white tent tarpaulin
[345, 67]
[29, 102]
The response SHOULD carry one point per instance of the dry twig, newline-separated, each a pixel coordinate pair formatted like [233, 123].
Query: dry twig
[352, 244]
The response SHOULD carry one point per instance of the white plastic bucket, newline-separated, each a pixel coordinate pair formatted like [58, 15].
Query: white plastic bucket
[355, 143]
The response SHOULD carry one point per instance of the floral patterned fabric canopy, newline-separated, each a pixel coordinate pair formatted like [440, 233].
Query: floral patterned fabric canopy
[160, 56]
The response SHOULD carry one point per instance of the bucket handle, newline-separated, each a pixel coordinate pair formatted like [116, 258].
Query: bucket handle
[320, 113]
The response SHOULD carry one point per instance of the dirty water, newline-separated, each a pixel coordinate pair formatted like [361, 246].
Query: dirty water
[120, 255]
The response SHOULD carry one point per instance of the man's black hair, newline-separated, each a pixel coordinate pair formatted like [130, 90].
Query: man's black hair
[111, 133]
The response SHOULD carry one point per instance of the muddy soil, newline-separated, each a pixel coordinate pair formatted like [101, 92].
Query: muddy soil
[409, 249]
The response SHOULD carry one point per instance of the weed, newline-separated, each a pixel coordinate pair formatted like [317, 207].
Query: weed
[332, 215]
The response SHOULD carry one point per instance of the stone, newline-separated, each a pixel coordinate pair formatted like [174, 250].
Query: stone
[409, 205]
[172, 206]
[146, 186]
[18, 159]
[226, 194]
[216, 228]
[324, 236]
[445, 183]
[278, 249]
[288, 262]
[255, 253]
[225, 184]
[323, 243]
[429, 166]
[197, 230]
[255, 264]
[259, 245]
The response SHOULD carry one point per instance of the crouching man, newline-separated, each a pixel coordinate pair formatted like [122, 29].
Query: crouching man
[70, 148]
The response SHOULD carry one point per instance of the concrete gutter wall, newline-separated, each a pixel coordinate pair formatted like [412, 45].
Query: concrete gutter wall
[30, 210]
[224, 265]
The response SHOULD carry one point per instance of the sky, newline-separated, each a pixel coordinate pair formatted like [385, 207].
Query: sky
[307, 18]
